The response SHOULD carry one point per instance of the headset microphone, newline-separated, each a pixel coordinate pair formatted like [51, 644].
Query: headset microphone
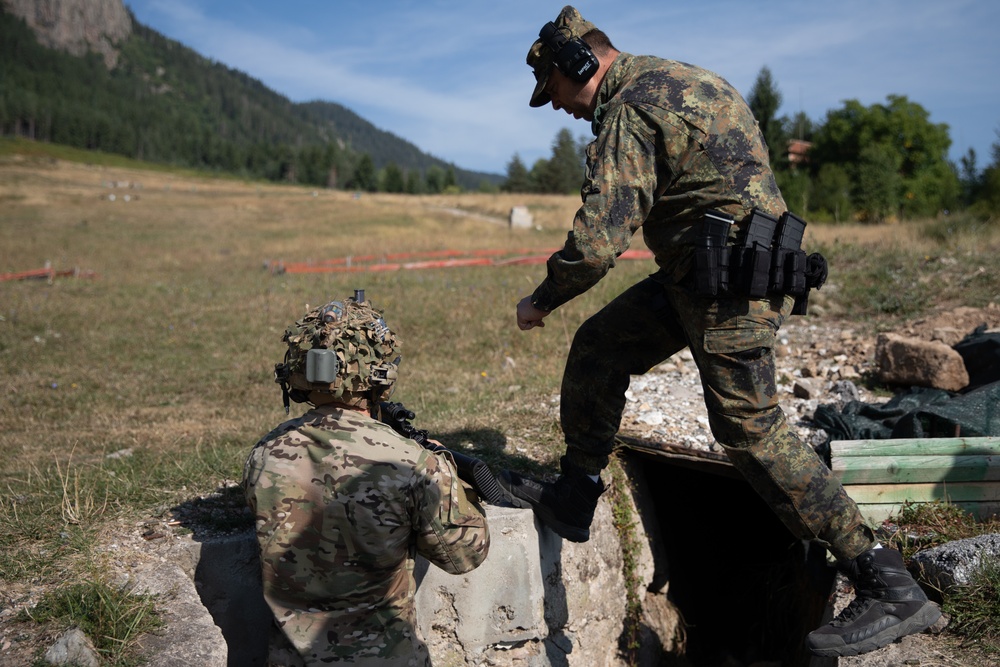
[572, 56]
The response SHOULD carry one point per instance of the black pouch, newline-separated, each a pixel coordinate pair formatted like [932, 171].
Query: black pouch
[789, 261]
[711, 256]
[754, 255]
[788, 272]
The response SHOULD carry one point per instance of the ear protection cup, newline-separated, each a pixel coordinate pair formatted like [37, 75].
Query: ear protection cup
[572, 56]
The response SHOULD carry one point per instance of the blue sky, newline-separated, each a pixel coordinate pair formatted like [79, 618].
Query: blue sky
[449, 75]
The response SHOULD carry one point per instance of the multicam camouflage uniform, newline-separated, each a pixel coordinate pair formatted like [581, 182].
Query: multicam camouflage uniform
[673, 140]
[342, 504]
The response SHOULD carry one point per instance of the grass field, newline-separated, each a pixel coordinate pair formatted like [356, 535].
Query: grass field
[126, 392]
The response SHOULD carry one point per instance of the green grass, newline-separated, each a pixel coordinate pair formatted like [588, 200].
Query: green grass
[626, 524]
[901, 278]
[113, 618]
[924, 525]
[46, 152]
[54, 514]
[974, 609]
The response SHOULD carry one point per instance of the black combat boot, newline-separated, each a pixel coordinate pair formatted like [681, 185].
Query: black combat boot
[888, 604]
[566, 505]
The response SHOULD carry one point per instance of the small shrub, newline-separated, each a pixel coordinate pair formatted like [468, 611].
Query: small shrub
[923, 525]
[111, 617]
[975, 609]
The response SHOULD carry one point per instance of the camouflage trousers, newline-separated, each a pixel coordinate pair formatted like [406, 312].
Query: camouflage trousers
[732, 341]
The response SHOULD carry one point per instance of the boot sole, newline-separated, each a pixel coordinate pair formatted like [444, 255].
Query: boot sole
[563, 530]
[544, 514]
[918, 622]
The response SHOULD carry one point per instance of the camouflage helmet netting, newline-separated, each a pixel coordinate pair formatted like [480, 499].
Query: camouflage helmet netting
[367, 350]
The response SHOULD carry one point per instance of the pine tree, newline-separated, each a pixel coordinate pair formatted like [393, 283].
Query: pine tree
[764, 101]
[518, 179]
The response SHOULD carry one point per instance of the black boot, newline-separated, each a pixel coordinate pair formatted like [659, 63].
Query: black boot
[566, 505]
[888, 604]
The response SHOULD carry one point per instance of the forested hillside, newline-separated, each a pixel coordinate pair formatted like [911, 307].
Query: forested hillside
[164, 102]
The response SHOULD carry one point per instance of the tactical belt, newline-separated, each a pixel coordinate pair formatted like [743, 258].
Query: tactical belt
[766, 258]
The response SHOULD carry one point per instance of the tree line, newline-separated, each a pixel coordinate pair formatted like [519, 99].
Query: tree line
[165, 103]
[868, 163]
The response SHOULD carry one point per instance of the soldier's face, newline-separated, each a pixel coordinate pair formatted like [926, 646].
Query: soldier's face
[576, 99]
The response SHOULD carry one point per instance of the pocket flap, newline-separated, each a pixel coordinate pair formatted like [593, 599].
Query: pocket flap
[728, 341]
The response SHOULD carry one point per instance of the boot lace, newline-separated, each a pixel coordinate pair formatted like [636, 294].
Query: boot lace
[858, 606]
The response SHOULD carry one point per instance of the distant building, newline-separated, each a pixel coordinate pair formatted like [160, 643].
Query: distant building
[798, 151]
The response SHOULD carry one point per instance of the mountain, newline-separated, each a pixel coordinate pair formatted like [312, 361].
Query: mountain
[85, 73]
[76, 26]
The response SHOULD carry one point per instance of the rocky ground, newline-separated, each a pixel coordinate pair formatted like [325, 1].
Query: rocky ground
[819, 362]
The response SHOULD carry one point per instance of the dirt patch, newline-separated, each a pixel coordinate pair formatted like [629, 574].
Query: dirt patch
[950, 326]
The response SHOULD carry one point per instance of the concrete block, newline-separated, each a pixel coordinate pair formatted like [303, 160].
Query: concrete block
[500, 602]
[521, 218]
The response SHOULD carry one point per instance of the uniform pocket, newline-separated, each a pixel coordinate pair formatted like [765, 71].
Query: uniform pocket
[732, 341]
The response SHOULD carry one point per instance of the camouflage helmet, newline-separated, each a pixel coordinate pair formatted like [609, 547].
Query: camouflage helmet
[343, 348]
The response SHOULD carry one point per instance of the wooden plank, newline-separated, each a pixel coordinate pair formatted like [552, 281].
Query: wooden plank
[911, 469]
[917, 447]
[898, 493]
[676, 454]
[876, 513]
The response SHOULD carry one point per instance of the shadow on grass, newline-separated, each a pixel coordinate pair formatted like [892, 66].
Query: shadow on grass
[490, 446]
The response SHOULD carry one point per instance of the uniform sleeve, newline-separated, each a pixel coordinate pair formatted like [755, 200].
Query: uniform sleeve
[451, 526]
[618, 192]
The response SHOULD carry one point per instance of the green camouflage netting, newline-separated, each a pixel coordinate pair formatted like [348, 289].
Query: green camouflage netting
[919, 412]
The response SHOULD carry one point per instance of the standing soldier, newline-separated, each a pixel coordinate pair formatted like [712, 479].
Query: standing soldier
[343, 503]
[678, 153]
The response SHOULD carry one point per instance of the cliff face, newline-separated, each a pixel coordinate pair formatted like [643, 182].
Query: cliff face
[76, 26]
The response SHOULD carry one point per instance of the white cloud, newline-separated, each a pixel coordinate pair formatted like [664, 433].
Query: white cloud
[450, 76]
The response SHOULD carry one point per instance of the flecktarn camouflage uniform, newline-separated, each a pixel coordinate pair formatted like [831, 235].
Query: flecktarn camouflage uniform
[672, 141]
[342, 505]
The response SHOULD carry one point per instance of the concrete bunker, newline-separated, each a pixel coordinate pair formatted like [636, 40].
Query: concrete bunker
[742, 587]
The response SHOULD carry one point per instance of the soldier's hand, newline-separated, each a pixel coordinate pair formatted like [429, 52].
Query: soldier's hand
[529, 317]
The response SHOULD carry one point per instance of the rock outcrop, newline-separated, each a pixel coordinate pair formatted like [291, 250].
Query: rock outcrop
[76, 26]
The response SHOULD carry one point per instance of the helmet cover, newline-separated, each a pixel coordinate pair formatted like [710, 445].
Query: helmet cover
[366, 351]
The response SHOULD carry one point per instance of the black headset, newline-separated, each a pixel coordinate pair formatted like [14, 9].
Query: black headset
[572, 56]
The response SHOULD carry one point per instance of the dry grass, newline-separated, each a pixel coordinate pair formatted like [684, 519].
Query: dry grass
[130, 392]
[166, 356]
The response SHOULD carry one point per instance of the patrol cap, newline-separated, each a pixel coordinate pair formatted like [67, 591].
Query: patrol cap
[540, 56]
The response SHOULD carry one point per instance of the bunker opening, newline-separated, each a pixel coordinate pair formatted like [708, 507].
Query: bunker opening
[747, 590]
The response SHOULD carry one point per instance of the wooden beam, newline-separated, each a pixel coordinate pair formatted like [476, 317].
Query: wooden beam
[899, 493]
[911, 469]
[917, 447]
[676, 454]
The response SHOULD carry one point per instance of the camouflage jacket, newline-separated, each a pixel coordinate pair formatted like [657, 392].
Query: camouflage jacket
[673, 140]
[342, 503]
